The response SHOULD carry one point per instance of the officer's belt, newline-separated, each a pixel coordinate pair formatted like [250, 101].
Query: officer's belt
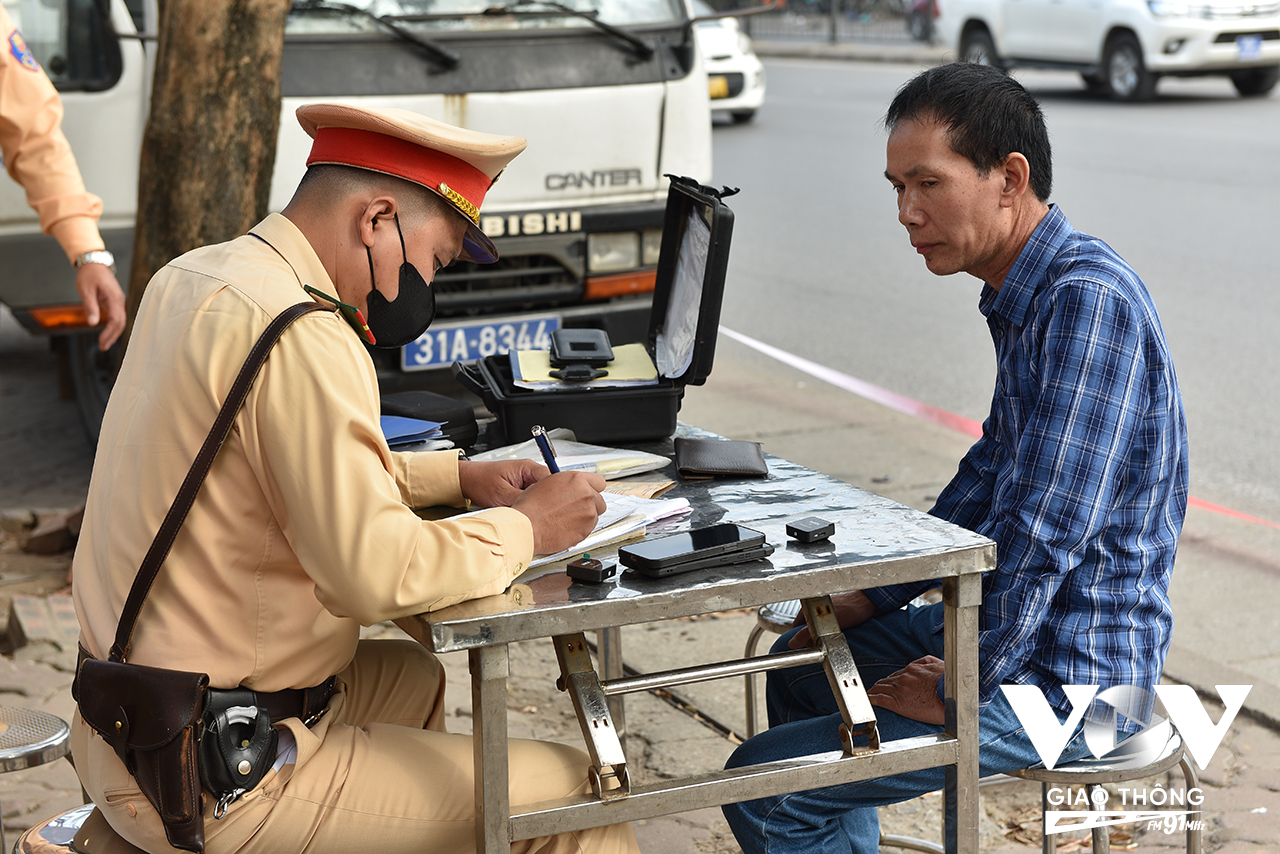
[306, 704]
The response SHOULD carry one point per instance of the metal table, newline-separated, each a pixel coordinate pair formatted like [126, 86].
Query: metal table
[877, 542]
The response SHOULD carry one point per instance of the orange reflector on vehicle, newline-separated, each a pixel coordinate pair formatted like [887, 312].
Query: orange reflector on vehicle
[620, 284]
[60, 316]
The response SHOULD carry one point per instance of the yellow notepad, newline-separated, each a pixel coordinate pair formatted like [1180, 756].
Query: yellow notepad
[631, 365]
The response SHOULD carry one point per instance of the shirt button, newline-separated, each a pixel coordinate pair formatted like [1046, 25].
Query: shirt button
[520, 566]
[131, 810]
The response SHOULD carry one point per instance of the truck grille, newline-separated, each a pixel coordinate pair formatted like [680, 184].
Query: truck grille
[513, 283]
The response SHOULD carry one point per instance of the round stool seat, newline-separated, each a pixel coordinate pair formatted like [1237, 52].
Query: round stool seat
[779, 616]
[86, 825]
[29, 737]
[1084, 772]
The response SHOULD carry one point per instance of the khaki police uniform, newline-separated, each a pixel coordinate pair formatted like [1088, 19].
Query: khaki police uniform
[37, 154]
[301, 533]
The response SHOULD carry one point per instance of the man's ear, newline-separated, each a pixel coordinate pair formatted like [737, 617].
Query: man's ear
[379, 207]
[1017, 179]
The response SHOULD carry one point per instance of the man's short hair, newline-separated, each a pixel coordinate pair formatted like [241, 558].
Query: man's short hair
[330, 182]
[987, 113]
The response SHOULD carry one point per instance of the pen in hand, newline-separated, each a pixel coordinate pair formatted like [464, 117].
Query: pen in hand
[544, 445]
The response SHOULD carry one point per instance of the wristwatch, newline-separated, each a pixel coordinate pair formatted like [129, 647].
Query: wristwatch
[97, 256]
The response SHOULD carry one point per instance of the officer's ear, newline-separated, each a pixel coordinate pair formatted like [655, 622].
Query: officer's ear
[376, 209]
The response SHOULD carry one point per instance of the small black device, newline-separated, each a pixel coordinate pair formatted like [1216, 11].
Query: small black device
[759, 552]
[590, 570]
[667, 552]
[810, 529]
[588, 347]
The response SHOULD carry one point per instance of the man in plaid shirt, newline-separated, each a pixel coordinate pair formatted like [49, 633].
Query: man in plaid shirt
[1080, 476]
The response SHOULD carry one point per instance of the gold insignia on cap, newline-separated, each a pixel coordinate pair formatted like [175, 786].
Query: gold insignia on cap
[460, 202]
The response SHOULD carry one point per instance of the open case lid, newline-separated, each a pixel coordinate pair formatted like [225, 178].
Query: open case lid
[687, 294]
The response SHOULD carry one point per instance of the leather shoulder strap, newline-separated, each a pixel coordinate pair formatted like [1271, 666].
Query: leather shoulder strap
[160, 546]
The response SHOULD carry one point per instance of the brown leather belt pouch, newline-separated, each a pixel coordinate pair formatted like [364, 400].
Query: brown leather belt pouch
[151, 718]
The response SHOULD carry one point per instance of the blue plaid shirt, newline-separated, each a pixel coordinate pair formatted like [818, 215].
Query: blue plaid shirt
[1080, 476]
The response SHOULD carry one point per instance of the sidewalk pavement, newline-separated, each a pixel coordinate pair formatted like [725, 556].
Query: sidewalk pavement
[914, 53]
[752, 397]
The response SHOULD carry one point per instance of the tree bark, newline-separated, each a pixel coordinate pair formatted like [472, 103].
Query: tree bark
[210, 141]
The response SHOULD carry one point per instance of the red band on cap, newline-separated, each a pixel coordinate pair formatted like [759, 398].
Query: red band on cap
[393, 156]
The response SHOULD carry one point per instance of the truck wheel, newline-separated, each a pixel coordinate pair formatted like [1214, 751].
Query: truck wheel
[1257, 81]
[976, 46]
[1125, 72]
[93, 373]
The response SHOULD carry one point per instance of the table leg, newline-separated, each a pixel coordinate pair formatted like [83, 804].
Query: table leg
[961, 597]
[609, 653]
[489, 670]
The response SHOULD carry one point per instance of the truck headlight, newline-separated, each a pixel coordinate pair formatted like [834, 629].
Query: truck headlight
[652, 240]
[613, 251]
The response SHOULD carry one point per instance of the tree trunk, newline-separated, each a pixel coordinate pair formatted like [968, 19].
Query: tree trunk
[210, 141]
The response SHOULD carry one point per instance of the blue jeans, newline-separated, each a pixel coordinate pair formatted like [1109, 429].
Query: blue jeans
[804, 719]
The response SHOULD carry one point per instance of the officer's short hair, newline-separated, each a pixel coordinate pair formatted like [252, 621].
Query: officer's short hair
[332, 182]
[989, 115]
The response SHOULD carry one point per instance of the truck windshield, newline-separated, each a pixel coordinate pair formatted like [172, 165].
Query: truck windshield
[480, 15]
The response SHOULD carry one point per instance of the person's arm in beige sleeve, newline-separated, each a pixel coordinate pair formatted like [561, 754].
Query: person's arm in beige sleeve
[38, 156]
[332, 482]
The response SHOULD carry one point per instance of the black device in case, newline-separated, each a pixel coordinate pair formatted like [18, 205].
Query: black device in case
[580, 347]
[646, 412]
[810, 529]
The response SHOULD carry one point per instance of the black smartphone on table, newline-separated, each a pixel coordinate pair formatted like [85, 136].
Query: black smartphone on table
[718, 545]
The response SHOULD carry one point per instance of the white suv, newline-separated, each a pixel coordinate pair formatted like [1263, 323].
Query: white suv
[1121, 47]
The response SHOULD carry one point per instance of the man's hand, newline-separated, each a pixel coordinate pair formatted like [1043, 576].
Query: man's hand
[563, 508]
[498, 483]
[912, 692]
[103, 301]
[851, 609]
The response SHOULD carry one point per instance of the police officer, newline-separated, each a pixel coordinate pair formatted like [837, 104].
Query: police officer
[38, 157]
[303, 530]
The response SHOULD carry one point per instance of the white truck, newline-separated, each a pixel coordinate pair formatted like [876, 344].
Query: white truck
[1121, 47]
[611, 94]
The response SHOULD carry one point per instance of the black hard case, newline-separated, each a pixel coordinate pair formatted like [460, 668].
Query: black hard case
[625, 414]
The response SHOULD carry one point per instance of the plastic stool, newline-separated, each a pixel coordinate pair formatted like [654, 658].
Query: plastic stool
[1091, 773]
[29, 738]
[776, 618]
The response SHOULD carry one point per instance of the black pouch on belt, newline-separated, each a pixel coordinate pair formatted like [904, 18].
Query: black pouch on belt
[238, 746]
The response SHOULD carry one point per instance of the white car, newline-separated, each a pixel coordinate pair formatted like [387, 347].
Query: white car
[735, 75]
[1122, 47]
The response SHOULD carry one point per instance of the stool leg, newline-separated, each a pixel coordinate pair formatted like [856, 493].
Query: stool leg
[752, 640]
[1046, 841]
[1193, 820]
[1101, 833]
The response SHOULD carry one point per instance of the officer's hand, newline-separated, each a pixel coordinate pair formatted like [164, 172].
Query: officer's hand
[912, 692]
[563, 508]
[103, 301]
[851, 609]
[498, 483]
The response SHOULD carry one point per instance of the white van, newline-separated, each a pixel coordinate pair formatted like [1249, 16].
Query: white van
[1121, 47]
[611, 94]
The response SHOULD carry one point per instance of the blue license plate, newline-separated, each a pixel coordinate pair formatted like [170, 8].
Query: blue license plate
[464, 342]
[1250, 46]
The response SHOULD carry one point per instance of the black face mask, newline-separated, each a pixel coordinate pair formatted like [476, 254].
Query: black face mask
[395, 323]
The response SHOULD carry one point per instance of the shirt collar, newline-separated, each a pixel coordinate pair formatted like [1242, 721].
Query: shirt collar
[278, 232]
[1013, 300]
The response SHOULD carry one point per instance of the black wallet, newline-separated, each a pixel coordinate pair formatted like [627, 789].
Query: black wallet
[703, 459]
